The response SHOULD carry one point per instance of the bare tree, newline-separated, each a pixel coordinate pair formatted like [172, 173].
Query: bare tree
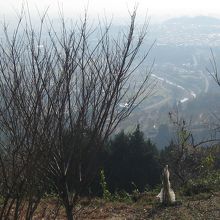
[214, 68]
[213, 72]
[24, 115]
[185, 153]
[60, 102]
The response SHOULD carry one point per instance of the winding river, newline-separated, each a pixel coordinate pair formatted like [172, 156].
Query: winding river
[191, 93]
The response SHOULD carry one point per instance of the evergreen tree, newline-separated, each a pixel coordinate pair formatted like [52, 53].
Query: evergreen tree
[133, 162]
[117, 172]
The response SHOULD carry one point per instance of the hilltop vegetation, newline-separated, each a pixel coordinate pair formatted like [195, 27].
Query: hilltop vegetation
[64, 101]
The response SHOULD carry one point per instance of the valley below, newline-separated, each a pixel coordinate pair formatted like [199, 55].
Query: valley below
[183, 81]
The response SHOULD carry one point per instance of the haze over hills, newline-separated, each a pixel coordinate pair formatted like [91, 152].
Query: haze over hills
[189, 31]
[182, 56]
[182, 53]
[197, 20]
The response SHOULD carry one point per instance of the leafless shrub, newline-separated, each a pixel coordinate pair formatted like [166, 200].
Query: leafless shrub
[185, 155]
[60, 97]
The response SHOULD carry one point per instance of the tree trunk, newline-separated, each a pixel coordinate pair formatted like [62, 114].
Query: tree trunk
[69, 213]
[168, 193]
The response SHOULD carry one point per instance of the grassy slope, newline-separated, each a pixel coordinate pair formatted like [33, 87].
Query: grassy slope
[203, 206]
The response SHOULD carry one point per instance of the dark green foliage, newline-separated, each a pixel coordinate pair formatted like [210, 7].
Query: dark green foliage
[167, 155]
[197, 171]
[209, 183]
[132, 162]
[195, 187]
[105, 192]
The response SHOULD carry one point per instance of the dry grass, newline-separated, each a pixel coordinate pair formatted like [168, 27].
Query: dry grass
[201, 207]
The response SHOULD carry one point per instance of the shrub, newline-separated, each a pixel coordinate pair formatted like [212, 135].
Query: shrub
[106, 194]
[202, 185]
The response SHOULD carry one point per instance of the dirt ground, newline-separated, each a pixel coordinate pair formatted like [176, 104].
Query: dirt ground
[201, 207]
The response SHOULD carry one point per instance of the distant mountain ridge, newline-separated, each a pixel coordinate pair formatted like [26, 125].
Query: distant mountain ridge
[198, 20]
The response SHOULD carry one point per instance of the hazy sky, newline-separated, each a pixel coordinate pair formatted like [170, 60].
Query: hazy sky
[118, 8]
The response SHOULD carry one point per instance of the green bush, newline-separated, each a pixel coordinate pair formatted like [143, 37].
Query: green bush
[122, 196]
[106, 194]
[210, 182]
